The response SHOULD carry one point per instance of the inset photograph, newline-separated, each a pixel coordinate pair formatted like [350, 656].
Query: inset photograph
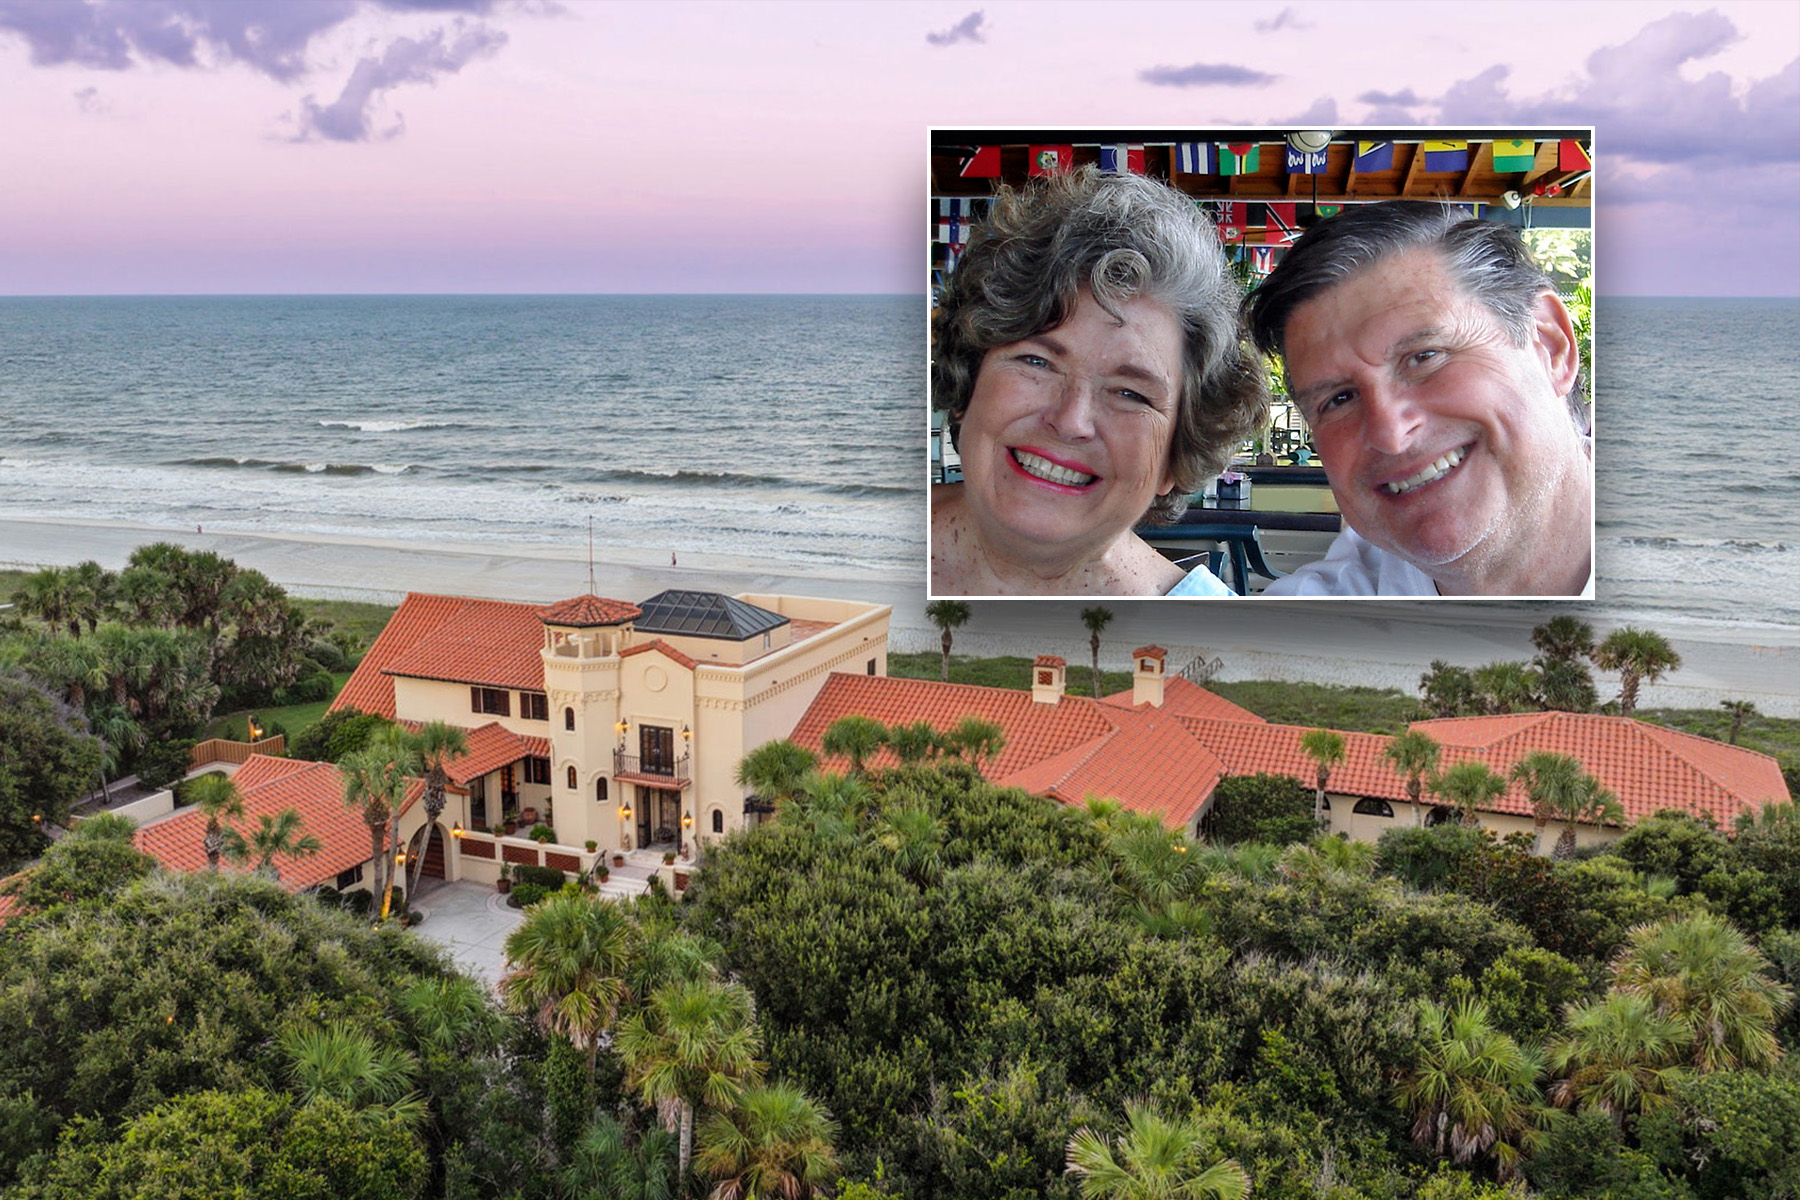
[1285, 363]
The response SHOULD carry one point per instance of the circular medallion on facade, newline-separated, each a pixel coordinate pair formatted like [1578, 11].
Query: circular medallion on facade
[656, 679]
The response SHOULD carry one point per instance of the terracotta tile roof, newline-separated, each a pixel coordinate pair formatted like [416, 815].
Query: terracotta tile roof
[487, 642]
[1649, 767]
[1049, 660]
[268, 785]
[587, 611]
[1247, 748]
[1188, 699]
[667, 650]
[1152, 651]
[1141, 756]
[492, 747]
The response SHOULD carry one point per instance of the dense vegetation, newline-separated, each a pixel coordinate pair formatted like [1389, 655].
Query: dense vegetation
[914, 983]
[137, 662]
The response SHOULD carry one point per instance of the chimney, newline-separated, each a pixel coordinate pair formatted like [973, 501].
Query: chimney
[1147, 675]
[1047, 679]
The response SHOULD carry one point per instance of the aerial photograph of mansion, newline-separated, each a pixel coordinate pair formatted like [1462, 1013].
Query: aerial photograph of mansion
[609, 728]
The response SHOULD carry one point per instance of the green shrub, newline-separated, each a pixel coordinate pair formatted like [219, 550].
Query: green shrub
[547, 878]
[526, 894]
[162, 763]
[1277, 809]
[542, 833]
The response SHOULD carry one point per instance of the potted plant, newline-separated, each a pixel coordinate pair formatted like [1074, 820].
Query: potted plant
[505, 884]
[668, 858]
[497, 830]
[512, 826]
[618, 859]
[592, 845]
[542, 834]
[602, 872]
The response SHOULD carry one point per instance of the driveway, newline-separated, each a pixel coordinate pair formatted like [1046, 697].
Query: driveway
[471, 921]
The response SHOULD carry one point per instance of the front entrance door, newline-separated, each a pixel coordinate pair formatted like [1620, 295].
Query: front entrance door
[659, 816]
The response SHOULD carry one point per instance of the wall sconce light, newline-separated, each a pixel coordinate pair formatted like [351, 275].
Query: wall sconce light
[686, 734]
[687, 820]
[400, 857]
[623, 727]
[456, 830]
[624, 812]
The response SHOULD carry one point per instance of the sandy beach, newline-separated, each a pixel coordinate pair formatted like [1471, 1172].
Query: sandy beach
[1384, 644]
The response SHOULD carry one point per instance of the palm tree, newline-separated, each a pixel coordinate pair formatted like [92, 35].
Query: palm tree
[376, 780]
[602, 1163]
[1473, 1090]
[1469, 786]
[1153, 867]
[1506, 687]
[283, 833]
[118, 734]
[1415, 755]
[1550, 780]
[913, 834]
[92, 594]
[831, 804]
[1096, 619]
[218, 800]
[1563, 639]
[1326, 749]
[1620, 1056]
[775, 770]
[1156, 1158]
[1590, 801]
[856, 738]
[691, 1045]
[344, 1063]
[566, 966]
[452, 1016]
[775, 1145]
[437, 744]
[1740, 711]
[1639, 656]
[982, 741]
[915, 743]
[49, 595]
[947, 615]
[1701, 971]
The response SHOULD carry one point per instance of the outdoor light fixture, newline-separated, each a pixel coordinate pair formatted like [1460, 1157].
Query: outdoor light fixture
[687, 820]
[1511, 199]
[624, 812]
[400, 857]
[623, 726]
[1309, 141]
[686, 734]
[456, 830]
[255, 730]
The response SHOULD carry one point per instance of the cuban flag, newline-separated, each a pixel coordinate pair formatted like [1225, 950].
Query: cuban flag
[1446, 156]
[1305, 162]
[1194, 158]
[1122, 159]
[1374, 156]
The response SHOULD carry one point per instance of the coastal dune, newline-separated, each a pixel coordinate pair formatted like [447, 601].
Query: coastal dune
[1381, 644]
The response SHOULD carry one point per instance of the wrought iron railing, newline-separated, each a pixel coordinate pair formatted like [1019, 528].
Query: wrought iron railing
[638, 764]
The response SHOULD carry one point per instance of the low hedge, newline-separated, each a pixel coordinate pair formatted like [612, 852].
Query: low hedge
[548, 878]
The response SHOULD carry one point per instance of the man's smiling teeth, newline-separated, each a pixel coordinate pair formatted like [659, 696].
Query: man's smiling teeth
[1043, 468]
[1434, 471]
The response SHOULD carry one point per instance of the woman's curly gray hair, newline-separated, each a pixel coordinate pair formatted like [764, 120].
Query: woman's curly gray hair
[1121, 237]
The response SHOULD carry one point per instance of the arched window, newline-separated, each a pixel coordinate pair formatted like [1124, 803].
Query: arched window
[718, 821]
[572, 783]
[1374, 808]
[600, 789]
[569, 719]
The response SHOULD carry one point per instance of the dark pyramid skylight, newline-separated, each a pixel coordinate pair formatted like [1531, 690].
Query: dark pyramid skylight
[705, 614]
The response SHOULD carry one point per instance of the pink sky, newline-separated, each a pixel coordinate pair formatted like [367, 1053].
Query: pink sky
[495, 146]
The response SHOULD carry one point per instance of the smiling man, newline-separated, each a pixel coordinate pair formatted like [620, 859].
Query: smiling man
[1440, 375]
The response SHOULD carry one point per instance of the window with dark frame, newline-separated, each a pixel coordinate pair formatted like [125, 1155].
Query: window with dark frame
[600, 789]
[571, 776]
[569, 719]
[718, 821]
[537, 770]
[496, 702]
[534, 706]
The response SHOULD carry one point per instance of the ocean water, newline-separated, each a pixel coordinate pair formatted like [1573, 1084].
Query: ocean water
[762, 427]
[777, 428]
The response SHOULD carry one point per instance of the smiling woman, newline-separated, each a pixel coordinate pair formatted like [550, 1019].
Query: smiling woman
[1087, 352]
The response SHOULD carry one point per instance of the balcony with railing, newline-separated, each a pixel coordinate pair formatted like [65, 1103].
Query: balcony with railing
[652, 770]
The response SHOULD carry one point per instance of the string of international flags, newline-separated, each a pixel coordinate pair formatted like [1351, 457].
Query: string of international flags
[1245, 158]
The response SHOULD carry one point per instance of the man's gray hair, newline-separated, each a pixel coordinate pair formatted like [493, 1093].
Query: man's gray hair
[1121, 237]
[1486, 259]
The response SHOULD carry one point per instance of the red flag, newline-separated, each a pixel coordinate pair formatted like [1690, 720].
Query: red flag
[1230, 220]
[1281, 226]
[984, 164]
[1049, 160]
[1571, 157]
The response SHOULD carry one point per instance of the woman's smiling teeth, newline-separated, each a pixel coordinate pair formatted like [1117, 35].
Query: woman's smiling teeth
[1436, 470]
[1043, 468]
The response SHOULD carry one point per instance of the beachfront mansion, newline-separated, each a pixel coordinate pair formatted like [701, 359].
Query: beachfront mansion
[606, 727]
